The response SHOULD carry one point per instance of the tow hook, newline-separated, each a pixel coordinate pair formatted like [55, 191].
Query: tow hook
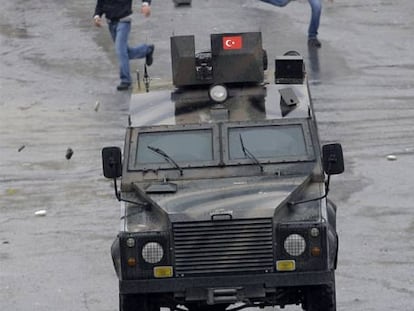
[222, 295]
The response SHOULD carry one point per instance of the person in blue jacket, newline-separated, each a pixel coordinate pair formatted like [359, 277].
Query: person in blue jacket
[118, 16]
[316, 7]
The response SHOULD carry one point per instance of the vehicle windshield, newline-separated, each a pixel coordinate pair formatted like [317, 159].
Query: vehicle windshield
[266, 142]
[180, 146]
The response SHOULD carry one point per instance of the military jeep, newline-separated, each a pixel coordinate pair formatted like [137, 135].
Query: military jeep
[224, 186]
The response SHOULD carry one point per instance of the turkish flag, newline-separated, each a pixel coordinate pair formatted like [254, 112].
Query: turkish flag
[232, 43]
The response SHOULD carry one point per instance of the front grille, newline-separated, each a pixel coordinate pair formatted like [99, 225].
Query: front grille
[223, 246]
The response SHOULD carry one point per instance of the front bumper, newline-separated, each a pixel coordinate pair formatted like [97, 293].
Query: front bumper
[260, 282]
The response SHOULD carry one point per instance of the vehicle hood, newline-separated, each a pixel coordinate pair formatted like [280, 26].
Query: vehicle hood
[230, 198]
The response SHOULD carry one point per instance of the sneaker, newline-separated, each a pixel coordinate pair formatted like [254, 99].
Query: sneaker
[148, 57]
[314, 43]
[123, 86]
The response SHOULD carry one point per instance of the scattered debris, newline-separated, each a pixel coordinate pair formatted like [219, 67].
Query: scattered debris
[182, 2]
[41, 213]
[11, 191]
[97, 104]
[21, 148]
[391, 157]
[29, 106]
[69, 153]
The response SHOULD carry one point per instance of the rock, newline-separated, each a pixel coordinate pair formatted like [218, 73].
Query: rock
[41, 213]
[391, 157]
[69, 153]
[97, 104]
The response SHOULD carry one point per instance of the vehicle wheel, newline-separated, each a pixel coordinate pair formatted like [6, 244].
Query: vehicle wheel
[265, 61]
[135, 303]
[320, 298]
[196, 307]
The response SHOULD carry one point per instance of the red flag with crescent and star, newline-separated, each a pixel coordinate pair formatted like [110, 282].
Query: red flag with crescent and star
[232, 43]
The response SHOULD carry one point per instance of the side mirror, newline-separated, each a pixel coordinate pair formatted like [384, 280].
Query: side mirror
[333, 159]
[112, 162]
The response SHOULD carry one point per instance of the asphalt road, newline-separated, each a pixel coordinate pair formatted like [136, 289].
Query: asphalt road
[58, 76]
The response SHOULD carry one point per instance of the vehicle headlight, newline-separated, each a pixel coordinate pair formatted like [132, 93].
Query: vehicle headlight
[218, 93]
[152, 252]
[295, 245]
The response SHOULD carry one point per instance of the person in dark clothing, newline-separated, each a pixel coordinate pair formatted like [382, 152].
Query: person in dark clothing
[118, 16]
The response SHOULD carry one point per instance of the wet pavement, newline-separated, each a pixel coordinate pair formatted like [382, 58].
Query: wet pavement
[58, 75]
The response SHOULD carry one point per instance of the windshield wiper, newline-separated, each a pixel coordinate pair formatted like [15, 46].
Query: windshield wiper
[250, 155]
[166, 158]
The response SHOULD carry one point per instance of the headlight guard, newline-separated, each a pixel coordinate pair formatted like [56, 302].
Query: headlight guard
[299, 242]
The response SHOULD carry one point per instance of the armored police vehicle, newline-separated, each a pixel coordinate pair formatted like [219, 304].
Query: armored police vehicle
[224, 186]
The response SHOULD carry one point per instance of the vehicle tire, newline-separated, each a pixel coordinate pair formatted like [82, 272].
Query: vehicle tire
[135, 303]
[196, 307]
[320, 298]
[265, 60]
